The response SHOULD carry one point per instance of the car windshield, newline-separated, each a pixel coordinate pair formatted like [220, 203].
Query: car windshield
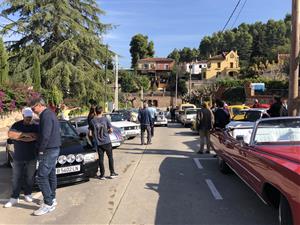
[190, 112]
[250, 116]
[66, 130]
[115, 117]
[278, 131]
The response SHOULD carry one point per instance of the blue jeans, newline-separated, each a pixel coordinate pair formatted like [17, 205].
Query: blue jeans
[23, 176]
[46, 174]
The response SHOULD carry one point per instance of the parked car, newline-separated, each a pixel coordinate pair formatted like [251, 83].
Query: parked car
[248, 117]
[267, 158]
[234, 110]
[161, 119]
[81, 126]
[77, 161]
[188, 116]
[130, 129]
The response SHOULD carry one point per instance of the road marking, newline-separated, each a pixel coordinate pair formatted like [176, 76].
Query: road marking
[196, 160]
[213, 190]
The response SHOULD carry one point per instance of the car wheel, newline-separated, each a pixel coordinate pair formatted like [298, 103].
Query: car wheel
[223, 167]
[284, 212]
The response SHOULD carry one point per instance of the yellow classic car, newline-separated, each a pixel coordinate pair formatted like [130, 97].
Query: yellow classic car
[234, 111]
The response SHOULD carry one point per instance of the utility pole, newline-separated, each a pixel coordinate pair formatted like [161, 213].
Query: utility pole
[105, 82]
[116, 82]
[190, 78]
[176, 86]
[294, 61]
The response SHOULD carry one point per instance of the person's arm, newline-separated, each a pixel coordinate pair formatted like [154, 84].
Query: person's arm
[45, 132]
[17, 135]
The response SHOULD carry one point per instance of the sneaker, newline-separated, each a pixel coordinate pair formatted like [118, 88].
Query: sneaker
[43, 210]
[102, 178]
[11, 202]
[207, 152]
[199, 152]
[113, 175]
[54, 202]
[28, 198]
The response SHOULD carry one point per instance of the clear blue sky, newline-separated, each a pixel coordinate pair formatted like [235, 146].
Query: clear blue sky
[179, 23]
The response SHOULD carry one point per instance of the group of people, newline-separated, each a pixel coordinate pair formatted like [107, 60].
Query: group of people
[37, 148]
[35, 142]
[146, 118]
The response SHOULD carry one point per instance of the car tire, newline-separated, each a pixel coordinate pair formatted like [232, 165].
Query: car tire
[284, 212]
[223, 167]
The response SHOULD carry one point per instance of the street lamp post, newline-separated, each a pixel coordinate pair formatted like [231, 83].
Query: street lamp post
[190, 78]
[105, 77]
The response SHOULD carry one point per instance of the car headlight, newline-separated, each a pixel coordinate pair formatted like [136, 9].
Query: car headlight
[79, 158]
[62, 159]
[90, 157]
[71, 158]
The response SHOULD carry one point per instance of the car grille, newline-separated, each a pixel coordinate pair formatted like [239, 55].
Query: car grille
[130, 128]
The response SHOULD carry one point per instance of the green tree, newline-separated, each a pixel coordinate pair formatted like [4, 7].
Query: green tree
[3, 63]
[175, 55]
[69, 33]
[140, 48]
[36, 71]
[127, 81]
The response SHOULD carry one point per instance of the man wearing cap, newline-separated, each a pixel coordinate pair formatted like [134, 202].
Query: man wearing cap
[48, 146]
[23, 135]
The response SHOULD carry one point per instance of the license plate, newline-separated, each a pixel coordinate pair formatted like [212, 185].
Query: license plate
[68, 169]
[131, 132]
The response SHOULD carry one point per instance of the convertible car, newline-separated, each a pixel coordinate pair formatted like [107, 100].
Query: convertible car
[267, 158]
[77, 161]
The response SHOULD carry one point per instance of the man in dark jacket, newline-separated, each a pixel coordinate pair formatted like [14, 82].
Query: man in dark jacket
[205, 120]
[275, 108]
[145, 121]
[222, 116]
[48, 145]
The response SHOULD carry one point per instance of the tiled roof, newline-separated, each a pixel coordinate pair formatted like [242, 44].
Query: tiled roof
[219, 57]
[156, 60]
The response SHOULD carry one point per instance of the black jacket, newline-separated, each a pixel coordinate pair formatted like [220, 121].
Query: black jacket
[145, 117]
[49, 131]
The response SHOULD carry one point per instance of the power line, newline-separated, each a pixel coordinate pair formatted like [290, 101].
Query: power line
[231, 15]
[241, 9]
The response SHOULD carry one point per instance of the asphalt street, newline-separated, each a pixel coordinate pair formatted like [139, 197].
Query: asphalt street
[162, 183]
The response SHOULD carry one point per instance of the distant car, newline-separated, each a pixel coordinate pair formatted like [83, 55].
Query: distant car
[247, 118]
[188, 116]
[161, 119]
[81, 126]
[130, 129]
[77, 161]
[234, 110]
[266, 158]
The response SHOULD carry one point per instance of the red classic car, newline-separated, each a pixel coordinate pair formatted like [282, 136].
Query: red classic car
[266, 157]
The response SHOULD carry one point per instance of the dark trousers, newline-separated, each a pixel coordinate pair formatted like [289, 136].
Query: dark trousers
[23, 176]
[152, 127]
[46, 174]
[204, 138]
[107, 148]
[148, 129]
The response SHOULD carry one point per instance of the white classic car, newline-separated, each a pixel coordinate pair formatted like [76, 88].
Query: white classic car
[161, 119]
[130, 129]
[188, 116]
[81, 126]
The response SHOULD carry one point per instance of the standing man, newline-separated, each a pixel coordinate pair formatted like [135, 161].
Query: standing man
[49, 142]
[222, 116]
[275, 108]
[153, 112]
[145, 121]
[205, 119]
[284, 108]
[23, 135]
[100, 128]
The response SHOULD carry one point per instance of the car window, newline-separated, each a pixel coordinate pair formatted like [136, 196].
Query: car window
[82, 123]
[115, 117]
[190, 112]
[277, 131]
[252, 116]
[67, 130]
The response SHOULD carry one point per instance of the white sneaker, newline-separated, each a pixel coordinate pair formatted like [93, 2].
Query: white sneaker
[54, 202]
[43, 210]
[28, 198]
[11, 202]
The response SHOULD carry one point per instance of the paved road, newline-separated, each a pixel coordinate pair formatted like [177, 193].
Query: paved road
[162, 183]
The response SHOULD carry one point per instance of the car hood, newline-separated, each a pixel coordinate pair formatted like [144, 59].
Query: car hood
[123, 124]
[236, 124]
[71, 146]
[289, 152]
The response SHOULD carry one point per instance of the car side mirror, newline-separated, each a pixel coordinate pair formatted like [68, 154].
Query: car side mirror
[240, 139]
